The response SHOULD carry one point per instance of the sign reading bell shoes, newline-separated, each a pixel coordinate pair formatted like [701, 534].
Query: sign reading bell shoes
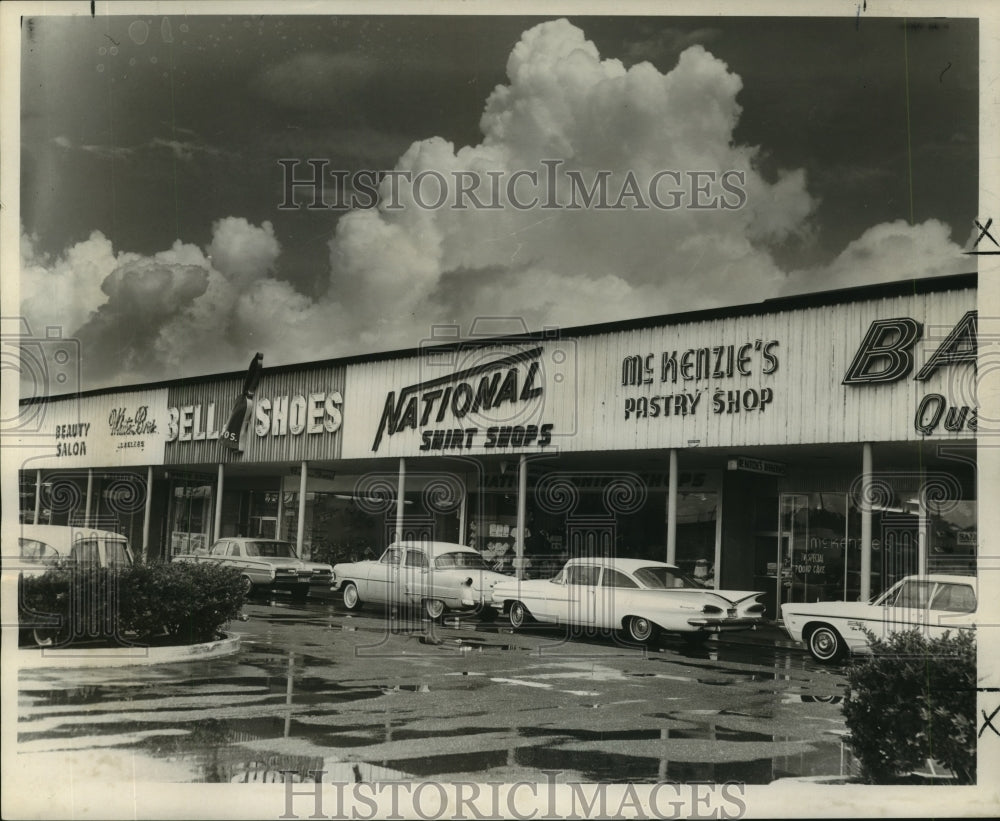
[292, 415]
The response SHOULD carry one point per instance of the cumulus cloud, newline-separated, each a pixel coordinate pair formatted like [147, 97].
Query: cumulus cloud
[241, 251]
[886, 253]
[64, 291]
[565, 115]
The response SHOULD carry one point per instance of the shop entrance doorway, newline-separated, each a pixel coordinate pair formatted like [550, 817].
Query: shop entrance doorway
[819, 548]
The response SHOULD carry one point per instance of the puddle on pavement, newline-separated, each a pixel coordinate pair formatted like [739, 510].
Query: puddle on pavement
[305, 707]
[815, 759]
[213, 746]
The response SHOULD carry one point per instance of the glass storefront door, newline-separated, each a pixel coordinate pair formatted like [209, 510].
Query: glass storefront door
[819, 550]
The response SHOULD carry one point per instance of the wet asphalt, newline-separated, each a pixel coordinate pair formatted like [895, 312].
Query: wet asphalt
[374, 696]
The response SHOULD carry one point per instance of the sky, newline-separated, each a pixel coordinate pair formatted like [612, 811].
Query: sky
[152, 226]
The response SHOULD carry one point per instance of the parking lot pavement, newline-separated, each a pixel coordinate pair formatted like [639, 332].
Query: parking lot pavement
[315, 687]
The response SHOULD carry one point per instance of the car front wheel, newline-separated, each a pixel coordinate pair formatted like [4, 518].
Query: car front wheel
[246, 586]
[640, 629]
[519, 615]
[434, 608]
[352, 601]
[825, 644]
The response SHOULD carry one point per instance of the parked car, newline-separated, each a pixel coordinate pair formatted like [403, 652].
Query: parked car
[640, 596]
[436, 576]
[42, 546]
[265, 564]
[833, 629]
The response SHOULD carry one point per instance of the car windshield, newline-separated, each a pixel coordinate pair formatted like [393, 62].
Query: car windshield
[117, 554]
[38, 552]
[910, 594]
[460, 559]
[663, 578]
[272, 550]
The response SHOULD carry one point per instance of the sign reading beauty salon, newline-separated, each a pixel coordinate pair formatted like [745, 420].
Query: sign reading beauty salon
[103, 431]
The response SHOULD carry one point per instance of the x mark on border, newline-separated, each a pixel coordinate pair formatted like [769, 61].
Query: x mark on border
[984, 231]
[988, 722]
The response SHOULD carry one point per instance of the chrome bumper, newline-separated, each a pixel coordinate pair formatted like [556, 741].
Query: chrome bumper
[718, 625]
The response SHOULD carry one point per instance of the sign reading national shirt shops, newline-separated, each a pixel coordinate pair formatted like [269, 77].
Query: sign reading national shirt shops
[506, 382]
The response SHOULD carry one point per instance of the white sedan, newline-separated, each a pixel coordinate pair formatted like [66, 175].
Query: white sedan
[932, 604]
[640, 596]
[436, 576]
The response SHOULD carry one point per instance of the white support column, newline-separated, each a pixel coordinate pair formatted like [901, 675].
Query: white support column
[90, 491]
[400, 500]
[672, 509]
[522, 517]
[279, 524]
[866, 522]
[217, 523]
[38, 495]
[147, 513]
[463, 512]
[922, 531]
[717, 573]
[300, 530]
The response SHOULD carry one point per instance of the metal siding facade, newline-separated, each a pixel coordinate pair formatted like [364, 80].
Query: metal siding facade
[260, 449]
[584, 397]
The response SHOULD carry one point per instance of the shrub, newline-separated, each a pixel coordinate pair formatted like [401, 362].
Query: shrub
[163, 603]
[913, 699]
[187, 601]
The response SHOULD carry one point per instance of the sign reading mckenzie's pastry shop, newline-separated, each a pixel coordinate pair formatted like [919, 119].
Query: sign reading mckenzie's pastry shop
[698, 374]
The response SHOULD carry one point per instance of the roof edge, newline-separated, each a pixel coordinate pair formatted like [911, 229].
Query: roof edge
[773, 305]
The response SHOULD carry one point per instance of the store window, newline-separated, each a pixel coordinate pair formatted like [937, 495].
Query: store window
[190, 515]
[819, 548]
[335, 527]
[696, 516]
[26, 493]
[119, 504]
[262, 513]
[953, 537]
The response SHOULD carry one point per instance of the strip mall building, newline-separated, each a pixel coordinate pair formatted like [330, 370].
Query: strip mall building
[813, 447]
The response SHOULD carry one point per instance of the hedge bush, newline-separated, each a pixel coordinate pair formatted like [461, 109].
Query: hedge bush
[155, 603]
[914, 698]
